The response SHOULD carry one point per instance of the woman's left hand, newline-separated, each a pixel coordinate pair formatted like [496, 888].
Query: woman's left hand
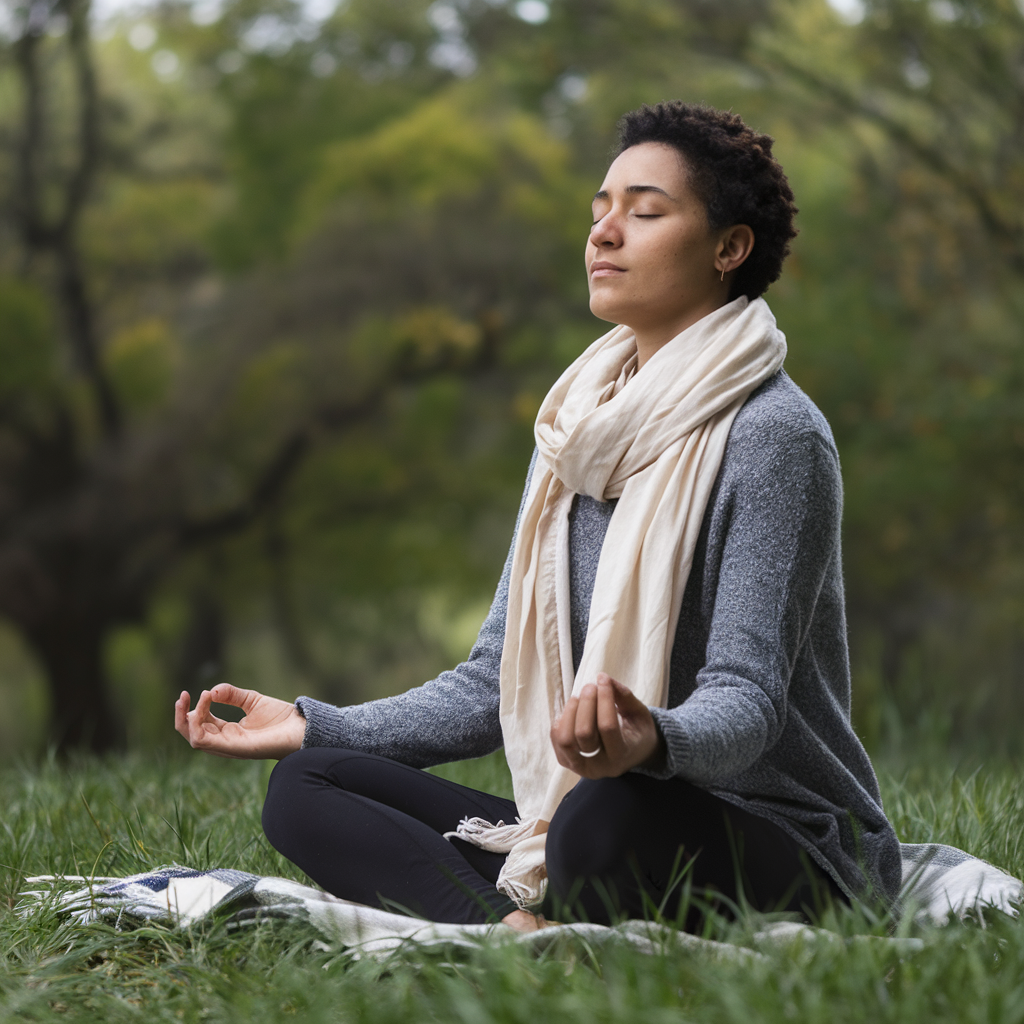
[608, 718]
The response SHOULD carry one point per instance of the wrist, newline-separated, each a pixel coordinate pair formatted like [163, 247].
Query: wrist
[657, 758]
[297, 729]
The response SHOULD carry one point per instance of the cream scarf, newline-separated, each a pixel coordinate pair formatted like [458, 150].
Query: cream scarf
[656, 445]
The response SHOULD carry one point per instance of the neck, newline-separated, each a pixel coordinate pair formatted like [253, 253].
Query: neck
[651, 337]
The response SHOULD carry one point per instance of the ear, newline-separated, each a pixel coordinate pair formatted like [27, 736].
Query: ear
[734, 245]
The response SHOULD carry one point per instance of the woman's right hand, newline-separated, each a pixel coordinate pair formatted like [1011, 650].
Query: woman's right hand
[271, 728]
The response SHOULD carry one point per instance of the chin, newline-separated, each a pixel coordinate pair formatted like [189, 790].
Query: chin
[605, 310]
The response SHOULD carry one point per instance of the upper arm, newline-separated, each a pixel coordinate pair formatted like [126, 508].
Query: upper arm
[781, 537]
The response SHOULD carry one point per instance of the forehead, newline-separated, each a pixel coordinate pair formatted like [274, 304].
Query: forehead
[650, 163]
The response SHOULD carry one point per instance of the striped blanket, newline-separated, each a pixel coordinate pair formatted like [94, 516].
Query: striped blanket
[939, 883]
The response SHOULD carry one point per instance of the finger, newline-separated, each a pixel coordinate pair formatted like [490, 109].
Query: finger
[225, 693]
[202, 710]
[588, 738]
[563, 732]
[181, 713]
[563, 737]
[634, 714]
[625, 699]
[608, 718]
[225, 739]
[202, 718]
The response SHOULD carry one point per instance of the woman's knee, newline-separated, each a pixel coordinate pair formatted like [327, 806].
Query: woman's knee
[292, 785]
[590, 833]
[281, 787]
[298, 783]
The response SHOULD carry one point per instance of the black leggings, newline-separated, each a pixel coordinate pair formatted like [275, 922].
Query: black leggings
[370, 829]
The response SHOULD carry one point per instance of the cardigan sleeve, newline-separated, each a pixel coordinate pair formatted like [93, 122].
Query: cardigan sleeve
[452, 717]
[783, 532]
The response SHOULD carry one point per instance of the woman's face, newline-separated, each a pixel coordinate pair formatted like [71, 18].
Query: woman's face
[651, 257]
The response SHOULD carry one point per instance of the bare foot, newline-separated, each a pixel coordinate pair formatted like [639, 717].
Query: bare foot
[524, 921]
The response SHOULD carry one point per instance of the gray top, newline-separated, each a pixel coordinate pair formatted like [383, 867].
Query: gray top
[759, 690]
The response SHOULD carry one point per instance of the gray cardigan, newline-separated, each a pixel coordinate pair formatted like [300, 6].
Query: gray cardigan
[759, 690]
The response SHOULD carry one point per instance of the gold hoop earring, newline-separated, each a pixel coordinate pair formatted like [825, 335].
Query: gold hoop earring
[722, 278]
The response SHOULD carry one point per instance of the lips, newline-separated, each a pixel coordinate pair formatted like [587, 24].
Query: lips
[602, 268]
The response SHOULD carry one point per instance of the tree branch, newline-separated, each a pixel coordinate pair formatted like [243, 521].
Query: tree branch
[81, 178]
[292, 450]
[271, 482]
[931, 156]
[77, 307]
[59, 236]
[26, 197]
[82, 329]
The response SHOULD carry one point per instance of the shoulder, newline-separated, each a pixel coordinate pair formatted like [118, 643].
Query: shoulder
[779, 419]
[780, 451]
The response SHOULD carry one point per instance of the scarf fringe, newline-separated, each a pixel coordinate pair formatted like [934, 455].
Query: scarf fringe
[525, 887]
[499, 838]
[523, 877]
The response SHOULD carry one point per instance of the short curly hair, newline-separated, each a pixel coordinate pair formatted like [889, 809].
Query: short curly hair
[733, 173]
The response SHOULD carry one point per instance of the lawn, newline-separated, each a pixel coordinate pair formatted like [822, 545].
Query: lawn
[127, 815]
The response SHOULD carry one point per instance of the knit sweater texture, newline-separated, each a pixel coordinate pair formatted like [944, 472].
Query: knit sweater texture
[759, 689]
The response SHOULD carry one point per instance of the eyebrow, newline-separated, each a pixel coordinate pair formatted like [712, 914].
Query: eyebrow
[635, 190]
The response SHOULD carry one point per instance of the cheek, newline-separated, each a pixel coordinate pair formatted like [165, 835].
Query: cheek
[678, 256]
[665, 263]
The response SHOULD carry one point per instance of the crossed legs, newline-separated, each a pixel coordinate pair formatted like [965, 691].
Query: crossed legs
[370, 829]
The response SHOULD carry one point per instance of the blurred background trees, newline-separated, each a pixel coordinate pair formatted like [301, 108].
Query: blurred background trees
[282, 286]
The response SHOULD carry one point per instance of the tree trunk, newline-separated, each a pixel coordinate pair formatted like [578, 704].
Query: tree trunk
[82, 715]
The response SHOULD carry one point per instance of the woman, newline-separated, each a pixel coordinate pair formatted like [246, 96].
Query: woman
[665, 661]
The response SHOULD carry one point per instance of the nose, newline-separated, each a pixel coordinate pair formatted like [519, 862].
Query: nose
[607, 232]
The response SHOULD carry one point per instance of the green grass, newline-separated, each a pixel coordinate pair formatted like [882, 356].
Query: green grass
[123, 816]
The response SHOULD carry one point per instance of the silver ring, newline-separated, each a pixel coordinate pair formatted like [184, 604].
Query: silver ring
[591, 753]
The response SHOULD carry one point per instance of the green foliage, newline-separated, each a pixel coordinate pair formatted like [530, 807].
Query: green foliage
[282, 116]
[27, 350]
[454, 145]
[299, 212]
[907, 298]
[142, 361]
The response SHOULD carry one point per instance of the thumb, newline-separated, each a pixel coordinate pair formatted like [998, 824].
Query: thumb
[225, 693]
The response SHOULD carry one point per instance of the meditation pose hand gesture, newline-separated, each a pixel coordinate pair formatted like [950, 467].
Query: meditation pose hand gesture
[271, 728]
[605, 731]
[602, 733]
